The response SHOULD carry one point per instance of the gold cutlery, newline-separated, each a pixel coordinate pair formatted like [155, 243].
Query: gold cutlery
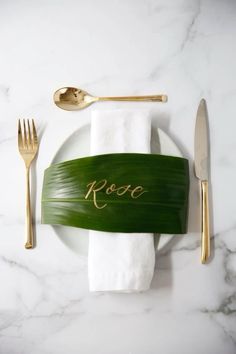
[201, 162]
[28, 148]
[73, 99]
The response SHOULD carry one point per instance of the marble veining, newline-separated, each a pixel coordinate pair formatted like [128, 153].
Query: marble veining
[184, 48]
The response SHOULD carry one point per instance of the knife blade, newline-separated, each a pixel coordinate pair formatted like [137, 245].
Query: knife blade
[201, 164]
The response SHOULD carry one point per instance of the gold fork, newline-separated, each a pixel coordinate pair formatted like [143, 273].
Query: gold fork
[28, 147]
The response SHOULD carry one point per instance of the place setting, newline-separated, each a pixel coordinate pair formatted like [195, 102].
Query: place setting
[117, 189]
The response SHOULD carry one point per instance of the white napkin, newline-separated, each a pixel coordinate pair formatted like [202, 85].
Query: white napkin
[120, 261]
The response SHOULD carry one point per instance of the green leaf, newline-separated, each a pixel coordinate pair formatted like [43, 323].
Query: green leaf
[118, 193]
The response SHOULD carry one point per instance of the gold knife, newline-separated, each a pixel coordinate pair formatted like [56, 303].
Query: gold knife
[201, 164]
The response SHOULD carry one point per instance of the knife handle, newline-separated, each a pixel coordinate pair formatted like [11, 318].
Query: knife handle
[205, 230]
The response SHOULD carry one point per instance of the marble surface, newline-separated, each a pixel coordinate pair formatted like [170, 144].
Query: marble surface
[185, 48]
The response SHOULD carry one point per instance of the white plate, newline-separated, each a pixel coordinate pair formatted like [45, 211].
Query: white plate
[78, 145]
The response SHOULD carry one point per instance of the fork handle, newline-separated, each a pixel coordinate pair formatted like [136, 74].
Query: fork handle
[29, 228]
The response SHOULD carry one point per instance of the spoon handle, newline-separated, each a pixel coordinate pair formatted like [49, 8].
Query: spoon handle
[153, 98]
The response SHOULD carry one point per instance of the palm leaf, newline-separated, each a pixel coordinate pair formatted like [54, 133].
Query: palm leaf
[118, 193]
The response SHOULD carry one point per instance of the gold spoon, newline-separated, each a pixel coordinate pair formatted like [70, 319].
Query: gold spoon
[73, 99]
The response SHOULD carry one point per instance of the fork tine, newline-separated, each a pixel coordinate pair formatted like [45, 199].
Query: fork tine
[25, 135]
[35, 138]
[20, 137]
[29, 134]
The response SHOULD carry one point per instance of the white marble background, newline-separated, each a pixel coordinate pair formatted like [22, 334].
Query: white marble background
[185, 48]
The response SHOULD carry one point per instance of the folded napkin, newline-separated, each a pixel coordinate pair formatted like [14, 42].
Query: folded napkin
[120, 261]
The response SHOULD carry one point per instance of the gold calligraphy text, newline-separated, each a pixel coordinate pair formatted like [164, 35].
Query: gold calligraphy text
[103, 185]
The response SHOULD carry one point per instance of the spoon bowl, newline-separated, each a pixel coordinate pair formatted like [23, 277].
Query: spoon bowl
[73, 99]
